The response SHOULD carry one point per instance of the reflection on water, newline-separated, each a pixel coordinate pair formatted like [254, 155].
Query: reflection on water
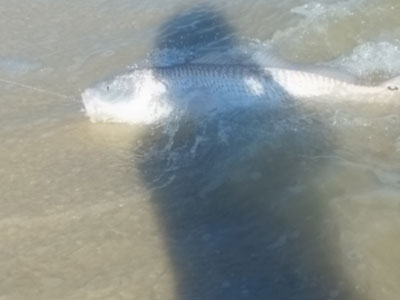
[299, 203]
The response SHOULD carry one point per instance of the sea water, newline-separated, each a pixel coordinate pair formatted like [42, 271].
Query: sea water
[249, 203]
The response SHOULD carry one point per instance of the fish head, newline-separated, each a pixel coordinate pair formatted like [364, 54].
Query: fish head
[112, 91]
[129, 98]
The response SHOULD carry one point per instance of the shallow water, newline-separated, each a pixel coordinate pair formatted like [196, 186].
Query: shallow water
[301, 203]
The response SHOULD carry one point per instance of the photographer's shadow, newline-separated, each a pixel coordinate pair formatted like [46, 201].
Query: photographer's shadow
[254, 234]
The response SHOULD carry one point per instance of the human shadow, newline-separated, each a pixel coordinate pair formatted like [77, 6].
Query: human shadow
[196, 32]
[233, 194]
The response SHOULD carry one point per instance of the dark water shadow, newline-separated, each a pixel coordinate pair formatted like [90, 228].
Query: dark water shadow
[196, 32]
[241, 219]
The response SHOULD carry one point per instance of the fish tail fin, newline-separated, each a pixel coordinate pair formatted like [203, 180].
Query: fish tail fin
[392, 84]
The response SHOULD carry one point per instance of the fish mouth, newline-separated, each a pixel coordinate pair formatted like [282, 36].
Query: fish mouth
[129, 109]
[96, 108]
[90, 103]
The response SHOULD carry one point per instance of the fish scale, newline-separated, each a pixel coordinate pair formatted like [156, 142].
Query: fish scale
[225, 79]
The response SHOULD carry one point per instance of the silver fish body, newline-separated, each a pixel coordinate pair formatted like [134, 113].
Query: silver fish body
[146, 95]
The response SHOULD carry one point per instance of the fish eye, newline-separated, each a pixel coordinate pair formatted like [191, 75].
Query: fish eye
[393, 88]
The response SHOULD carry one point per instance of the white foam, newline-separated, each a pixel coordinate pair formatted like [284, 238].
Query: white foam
[311, 10]
[321, 31]
[371, 59]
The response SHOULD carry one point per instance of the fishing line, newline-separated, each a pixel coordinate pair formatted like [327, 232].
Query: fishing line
[30, 87]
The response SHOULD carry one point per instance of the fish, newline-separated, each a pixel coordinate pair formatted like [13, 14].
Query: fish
[150, 94]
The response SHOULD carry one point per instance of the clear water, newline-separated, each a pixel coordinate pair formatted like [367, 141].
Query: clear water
[300, 203]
